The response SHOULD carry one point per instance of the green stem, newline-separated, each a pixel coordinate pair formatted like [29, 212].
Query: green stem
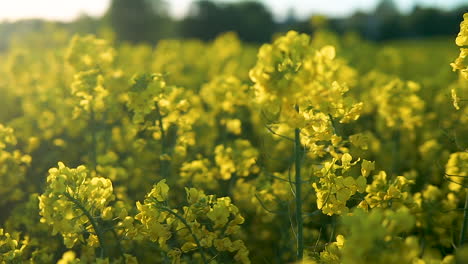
[298, 182]
[396, 138]
[95, 226]
[164, 164]
[464, 229]
[197, 241]
[161, 127]
[92, 127]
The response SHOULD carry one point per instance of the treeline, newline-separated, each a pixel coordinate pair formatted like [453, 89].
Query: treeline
[143, 20]
[387, 23]
[148, 21]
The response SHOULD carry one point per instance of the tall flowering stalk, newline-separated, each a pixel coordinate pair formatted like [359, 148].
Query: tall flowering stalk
[458, 162]
[298, 88]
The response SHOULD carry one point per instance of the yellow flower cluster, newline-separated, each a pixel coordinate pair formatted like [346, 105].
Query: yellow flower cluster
[90, 58]
[73, 199]
[108, 165]
[89, 88]
[206, 224]
[7, 137]
[26, 218]
[11, 247]
[240, 159]
[462, 38]
[332, 253]
[226, 100]
[459, 64]
[334, 189]
[168, 112]
[278, 65]
[379, 237]
[88, 52]
[457, 171]
[13, 166]
[387, 193]
[462, 41]
[374, 237]
[225, 94]
[69, 257]
[231, 161]
[144, 94]
[399, 104]
[297, 85]
[199, 172]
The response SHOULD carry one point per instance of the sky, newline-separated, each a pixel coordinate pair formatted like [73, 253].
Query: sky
[66, 10]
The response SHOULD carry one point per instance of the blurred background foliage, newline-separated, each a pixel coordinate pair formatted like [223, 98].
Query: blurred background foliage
[148, 21]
